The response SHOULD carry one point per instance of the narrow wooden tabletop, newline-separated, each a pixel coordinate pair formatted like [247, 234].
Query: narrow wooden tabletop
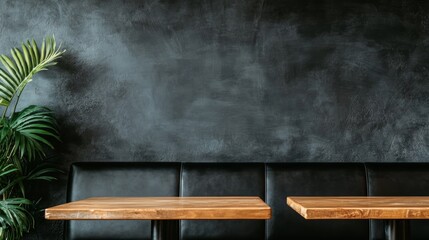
[361, 207]
[161, 208]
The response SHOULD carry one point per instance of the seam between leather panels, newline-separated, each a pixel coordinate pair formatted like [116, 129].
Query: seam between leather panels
[181, 180]
[68, 198]
[266, 199]
[180, 195]
[367, 194]
[366, 178]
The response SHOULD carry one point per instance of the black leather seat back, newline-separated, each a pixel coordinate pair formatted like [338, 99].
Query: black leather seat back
[313, 179]
[399, 179]
[118, 179]
[223, 179]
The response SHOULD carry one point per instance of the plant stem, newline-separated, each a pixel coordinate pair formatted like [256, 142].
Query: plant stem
[4, 112]
[16, 103]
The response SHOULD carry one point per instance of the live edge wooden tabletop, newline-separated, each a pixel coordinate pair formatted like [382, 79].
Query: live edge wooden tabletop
[161, 208]
[361, 207]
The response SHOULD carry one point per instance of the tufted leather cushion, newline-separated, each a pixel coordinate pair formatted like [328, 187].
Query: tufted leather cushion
[118, 179]
[399, 179]
[223, 179]
[315, 179]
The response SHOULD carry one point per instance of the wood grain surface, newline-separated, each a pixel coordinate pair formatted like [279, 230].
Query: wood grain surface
[161, 208]
[361, 207]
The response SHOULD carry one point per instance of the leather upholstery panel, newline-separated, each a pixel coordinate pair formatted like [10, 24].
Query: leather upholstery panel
[118, 179]
[223, 179]
[313, 179]
[229, 179]
[399, 179]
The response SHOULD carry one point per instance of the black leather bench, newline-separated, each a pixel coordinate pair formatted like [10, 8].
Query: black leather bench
[270, 181]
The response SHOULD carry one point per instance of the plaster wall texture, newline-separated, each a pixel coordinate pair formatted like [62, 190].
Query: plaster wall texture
[245, 80]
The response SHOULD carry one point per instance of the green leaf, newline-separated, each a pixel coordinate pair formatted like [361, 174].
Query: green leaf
[17, 58]
[18, 73]
[42, 51]
[8, 79]
[5, 89]
[35, 50]
[16, 220]
[32, 136]
[34, 60]
[27, 57]
[7, 170]
[10, 67]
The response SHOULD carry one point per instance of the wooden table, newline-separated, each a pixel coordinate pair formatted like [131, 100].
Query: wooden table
[163, 211]
[395, 210]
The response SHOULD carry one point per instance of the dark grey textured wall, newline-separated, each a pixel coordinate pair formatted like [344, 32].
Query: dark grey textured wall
[249, 80]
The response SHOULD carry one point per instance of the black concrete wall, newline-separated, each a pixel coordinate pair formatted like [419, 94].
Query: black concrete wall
[249, 80]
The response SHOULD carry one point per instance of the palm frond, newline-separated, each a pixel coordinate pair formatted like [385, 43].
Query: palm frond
[6, 170]
[28, 131]
[19, 70]
[42, 172]
[15, 220]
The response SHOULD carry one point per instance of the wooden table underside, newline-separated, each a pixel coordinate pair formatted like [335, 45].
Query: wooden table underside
[361, 207]
[161, 208]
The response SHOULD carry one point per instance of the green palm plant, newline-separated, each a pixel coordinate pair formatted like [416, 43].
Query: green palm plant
[24, 135]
